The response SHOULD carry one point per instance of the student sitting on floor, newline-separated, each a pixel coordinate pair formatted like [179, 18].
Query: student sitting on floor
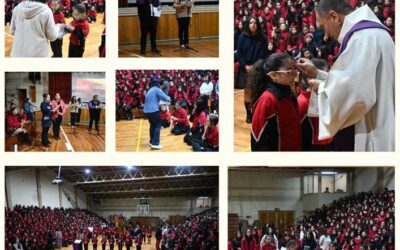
[92, 15]
[210, 140]
[199, 119]
[180, 119]
[165, 116]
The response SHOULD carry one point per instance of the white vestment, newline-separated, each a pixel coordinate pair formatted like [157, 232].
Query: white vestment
[359, 88]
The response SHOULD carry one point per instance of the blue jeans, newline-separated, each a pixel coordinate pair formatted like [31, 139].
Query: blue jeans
[155, 127]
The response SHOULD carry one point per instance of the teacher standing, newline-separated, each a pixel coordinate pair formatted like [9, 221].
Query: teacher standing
[32, 26]
[152, 111]
[148, 24]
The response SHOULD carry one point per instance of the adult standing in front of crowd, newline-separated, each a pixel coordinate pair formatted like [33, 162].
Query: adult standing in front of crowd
[152, 111]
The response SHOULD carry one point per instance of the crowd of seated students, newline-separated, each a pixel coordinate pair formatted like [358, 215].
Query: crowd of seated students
[290, 25]
[194, 95]
[35, 227]
[66, 8]
[358, 222]
[199, 231]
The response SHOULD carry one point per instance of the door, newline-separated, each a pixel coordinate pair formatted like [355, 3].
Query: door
[282, 220]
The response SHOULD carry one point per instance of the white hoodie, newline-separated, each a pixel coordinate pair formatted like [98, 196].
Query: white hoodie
[32, 25]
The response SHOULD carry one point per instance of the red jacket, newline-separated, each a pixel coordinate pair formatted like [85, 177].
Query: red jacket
[247, 244]
[276, 122]
[165, 116]
[212, 136]
[92, 13]
[181, 114]
[82, 25]
[59, 17]
[13, 122]
[199, 120]
[268, 247]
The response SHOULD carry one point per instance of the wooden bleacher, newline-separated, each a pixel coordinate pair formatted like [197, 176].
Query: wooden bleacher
[233, 225]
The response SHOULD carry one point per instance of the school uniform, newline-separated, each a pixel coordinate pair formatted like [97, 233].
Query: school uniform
[103, 243]
[128, 242]
[277, 115]
[77, 39]
[197, 130]
[211, 142]
[94, 242]
[92, 16]
[181, 126]
[85, 243]
[165, 119]
[56, 45]
[46, 109]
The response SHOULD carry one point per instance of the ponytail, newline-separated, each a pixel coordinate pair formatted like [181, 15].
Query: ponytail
[261, 80]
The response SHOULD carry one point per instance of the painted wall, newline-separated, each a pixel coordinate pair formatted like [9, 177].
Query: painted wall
[252, 191]
[20, 80]
[159, 207]
[22, 189]
[373, 178]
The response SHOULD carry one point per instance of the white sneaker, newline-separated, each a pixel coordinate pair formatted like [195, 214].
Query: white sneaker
[156, 146]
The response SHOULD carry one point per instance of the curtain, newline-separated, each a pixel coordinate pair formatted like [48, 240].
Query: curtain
[60, 82]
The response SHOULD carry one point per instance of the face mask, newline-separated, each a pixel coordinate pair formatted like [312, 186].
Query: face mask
[15, 112]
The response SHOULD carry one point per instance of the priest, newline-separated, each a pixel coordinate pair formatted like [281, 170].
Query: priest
[355, 101]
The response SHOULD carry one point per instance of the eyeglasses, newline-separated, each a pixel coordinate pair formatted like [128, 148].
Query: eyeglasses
[290, 71]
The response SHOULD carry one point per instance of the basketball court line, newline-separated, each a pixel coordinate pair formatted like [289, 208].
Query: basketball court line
[68, 144]
[139, 136]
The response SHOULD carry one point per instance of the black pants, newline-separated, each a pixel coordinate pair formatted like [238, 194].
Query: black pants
[201, 145]
[138, 247]
[86, 246]
[112, 247]
[103, 246]
[56, 47]
[94, 246]
[94, 118]
[183, 32]
[148, 24]
[75, 51]
[180, 129]
[45, 135]
[56, 126]
[92, 19]
[73, 118]
[165, 124]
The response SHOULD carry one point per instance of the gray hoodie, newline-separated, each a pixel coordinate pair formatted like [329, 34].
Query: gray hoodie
[32, 26]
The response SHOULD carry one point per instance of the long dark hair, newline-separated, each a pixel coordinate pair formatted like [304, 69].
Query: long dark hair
[261, 80]
[246, 28]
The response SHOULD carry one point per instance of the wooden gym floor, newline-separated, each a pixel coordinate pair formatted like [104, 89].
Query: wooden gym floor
[134, 136]
[242, 129]
[206, 48]
[81, 141]
[145, 246]
[92, 43]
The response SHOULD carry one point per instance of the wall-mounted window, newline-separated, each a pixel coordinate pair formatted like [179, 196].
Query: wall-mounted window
[202, 202]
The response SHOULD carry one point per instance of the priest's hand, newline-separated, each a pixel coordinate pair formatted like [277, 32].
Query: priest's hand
[313, 85]
[307, 67]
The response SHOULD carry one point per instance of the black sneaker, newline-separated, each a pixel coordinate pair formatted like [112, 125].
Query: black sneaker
[155, 50]
[143, 52]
